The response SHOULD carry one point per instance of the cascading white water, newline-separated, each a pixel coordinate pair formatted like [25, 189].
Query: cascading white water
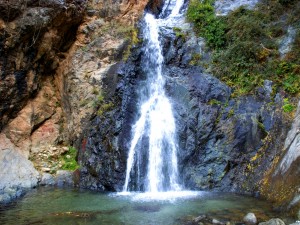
[175, 5]
[156, 123]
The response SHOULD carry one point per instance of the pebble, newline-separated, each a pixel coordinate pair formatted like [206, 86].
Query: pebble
[250, 219]
[214, 221]
[199, 218]
[46, 169]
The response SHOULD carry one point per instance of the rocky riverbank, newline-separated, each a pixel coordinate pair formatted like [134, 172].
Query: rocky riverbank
[249, 219]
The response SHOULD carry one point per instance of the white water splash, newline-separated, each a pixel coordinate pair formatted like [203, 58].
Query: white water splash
[176, 9]
[170, 196]
[156, 121]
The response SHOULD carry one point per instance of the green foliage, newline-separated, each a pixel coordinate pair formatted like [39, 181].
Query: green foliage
[69, 160]
[179, 33]
[287, 106]
[231, 113]
[102, 105]
[288, 75]
[286, 2]
[131, 35]
[196, 59]
[214, 102]
[207, 25]
[105, 108]
[244, 44]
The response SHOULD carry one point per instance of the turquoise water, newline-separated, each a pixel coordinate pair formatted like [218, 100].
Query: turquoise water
[49, 206]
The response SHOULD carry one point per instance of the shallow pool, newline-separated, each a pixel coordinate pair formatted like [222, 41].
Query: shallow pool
[49, 206]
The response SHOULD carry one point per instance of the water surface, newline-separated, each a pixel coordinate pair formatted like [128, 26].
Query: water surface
[49, 206]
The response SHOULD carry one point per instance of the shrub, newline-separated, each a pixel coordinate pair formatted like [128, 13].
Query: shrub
[288, 107]
[69, 160]
[244, 45]
[207, 25]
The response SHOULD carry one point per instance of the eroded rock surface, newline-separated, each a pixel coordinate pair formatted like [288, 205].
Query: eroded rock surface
[282, 183]
[223, 7]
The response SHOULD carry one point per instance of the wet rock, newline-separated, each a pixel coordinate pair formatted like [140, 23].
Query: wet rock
[291, 143]
[250, 219]
[217, 222]
[223, 143]
[273, 222]
[200, 218]
[286, 170]
[147, 208]
[47, 179]
[64, 178]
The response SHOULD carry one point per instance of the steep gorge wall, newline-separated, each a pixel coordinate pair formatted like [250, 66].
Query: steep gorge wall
[51, 73]
[54, 56]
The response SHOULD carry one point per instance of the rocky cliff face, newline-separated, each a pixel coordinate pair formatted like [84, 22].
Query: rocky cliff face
[54, 55]
[281, 182]
[34, 39]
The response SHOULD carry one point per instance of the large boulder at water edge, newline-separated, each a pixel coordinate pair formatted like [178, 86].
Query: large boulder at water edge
[16, 174]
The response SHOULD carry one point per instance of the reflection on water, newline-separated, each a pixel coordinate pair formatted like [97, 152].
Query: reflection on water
[48, 206]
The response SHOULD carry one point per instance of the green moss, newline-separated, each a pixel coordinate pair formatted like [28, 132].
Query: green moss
[231, 113]
[69, 160]
[105, 108]
[179, 33]
[196, 59]
[287, 106]
[214, 102]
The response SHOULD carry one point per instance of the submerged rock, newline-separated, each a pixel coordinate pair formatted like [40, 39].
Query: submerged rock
[273, 222]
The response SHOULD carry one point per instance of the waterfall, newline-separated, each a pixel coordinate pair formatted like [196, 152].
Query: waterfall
[154, 169]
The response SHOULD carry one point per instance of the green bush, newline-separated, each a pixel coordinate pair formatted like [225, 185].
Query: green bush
[69, 160]
[244, 45]
[207, 25]
[288, 107]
